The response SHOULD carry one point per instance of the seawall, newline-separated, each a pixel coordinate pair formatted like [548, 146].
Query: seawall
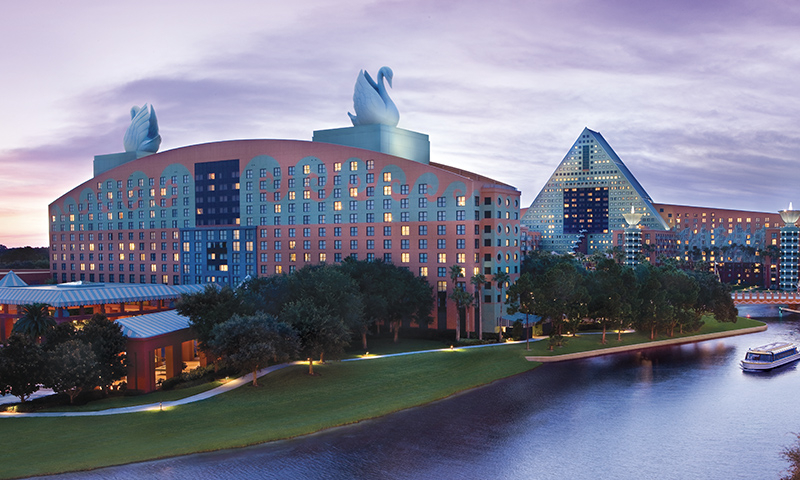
[644, 346]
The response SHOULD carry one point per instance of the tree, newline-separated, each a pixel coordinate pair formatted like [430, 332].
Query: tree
[792, 455]
[35, 320]
[714, 297]
[521, 299]
[375, 282]
[501, 278]
[319, 331]
[478, 280]
[108, 344]
[457, 271]
[411, 299]
[606, 292]
[208, 308]
[252, 342]
[22, 367]
[72, 368]
[462, 299]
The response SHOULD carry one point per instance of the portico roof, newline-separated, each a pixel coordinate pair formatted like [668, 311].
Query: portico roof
[76, 294]
[153, 324]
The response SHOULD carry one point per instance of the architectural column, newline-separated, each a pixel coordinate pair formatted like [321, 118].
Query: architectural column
[789, 249]
[633, 238]
[174, 360]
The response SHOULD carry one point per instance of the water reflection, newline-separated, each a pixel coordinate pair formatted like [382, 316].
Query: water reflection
[680, 412]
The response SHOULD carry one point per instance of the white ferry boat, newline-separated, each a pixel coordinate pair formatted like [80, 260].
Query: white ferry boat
[769, 356]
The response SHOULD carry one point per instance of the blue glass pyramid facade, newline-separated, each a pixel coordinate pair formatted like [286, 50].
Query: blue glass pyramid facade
[586, 197]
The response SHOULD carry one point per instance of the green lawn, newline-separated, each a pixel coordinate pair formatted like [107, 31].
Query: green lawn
[288, 403]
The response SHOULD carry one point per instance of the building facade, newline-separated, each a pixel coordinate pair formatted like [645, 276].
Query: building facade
[585, 199]
[219, 212]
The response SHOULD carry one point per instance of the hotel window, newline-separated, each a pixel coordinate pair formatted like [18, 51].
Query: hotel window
[423, 258]
[441, 202]
[441, 258]
[387, 217]
[370, 178]
[353, 192]
[353, 244]
[404, 189]
[461, 201]
[405, 230]
[405, 257]
[441, 243]
[405, 244]
[337, 167]
[461, 258]
[441, 272]
[387, 203]
[387, 176]
[387, 244]
[422, 188]
[353, 166]
[423, 202]
[370, 164]
[387, 189]
[423, 271]
[370, 191]
[370, 244]
[423, 244]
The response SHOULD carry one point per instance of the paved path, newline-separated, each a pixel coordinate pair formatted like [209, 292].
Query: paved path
[150, 407]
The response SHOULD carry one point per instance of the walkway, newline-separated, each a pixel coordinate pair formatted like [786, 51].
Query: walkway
[151, 407]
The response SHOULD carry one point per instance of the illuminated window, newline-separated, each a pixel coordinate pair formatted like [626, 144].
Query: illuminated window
[387, 190]
[353, 192]
[423, 271]
[354, 166]
[441, 258]
[405, 230]
[387, 217]
[387, 177]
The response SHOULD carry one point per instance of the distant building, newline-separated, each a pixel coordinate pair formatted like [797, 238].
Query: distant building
[581, 208]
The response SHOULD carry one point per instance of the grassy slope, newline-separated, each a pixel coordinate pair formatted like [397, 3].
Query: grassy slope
[289, 403]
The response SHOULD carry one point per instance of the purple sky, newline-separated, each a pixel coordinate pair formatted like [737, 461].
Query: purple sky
[699, 99]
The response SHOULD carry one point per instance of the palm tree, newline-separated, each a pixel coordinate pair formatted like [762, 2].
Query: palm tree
[501, 278]
[463, 299]
[34, 321]
[455, 272]
[478, 280]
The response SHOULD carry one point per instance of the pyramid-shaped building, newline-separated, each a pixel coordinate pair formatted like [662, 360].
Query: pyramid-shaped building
[584, 200]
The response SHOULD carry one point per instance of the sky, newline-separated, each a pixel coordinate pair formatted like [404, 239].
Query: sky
[699, 99]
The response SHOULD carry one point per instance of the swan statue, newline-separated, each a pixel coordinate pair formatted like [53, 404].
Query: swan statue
[371, 101]
[142, 135]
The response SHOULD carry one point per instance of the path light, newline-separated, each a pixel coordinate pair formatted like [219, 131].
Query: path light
[451, 348]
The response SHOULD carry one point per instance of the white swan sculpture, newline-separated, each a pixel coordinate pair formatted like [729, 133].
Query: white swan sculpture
[371, 101]
[142, 134]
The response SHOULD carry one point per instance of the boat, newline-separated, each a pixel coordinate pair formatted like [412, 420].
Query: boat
[769, 356]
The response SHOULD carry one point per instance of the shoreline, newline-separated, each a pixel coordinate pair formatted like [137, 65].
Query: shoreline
[643, 346]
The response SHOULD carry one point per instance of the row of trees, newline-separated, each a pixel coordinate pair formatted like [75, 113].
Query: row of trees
[648, 298]
[311, 313]
[62, 357]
